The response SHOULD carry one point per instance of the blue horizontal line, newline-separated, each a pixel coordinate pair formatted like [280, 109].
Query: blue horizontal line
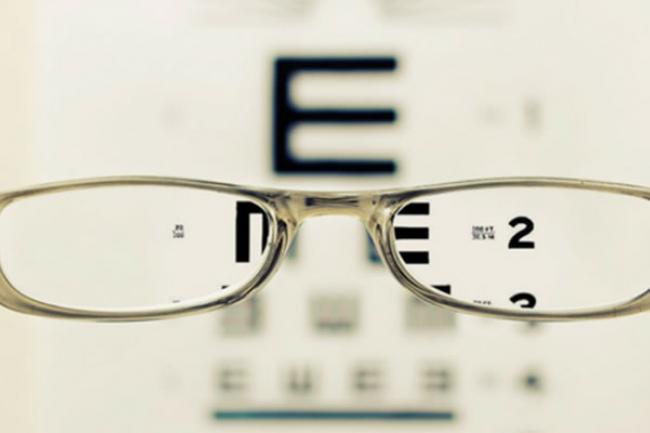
[331, 415]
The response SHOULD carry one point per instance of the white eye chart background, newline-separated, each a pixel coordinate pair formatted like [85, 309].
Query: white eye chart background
[481, 88]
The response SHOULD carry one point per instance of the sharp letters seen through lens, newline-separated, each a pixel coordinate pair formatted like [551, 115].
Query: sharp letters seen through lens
[544, 249]
[124, 247]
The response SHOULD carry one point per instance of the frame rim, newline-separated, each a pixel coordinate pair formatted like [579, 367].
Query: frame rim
[635, 305]
[14, 299]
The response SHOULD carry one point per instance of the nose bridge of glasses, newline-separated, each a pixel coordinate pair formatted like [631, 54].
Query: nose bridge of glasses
[307, 205]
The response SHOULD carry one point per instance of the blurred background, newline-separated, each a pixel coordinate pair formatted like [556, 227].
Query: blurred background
[239, 91]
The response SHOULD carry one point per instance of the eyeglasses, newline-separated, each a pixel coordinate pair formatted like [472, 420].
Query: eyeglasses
[141, 248]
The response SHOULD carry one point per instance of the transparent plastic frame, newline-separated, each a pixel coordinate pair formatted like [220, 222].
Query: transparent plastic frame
[286, 210]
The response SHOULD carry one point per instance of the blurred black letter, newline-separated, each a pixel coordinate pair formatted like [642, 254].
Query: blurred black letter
[286, 115]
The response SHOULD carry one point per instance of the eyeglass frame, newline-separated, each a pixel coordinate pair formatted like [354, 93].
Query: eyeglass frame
[286, 210]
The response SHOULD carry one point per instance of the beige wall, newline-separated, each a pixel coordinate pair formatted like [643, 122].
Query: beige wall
[16, 135]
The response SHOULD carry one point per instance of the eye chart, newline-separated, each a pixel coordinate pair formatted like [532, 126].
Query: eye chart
[341, 95]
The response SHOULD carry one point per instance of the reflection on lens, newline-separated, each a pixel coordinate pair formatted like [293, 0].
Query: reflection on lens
[139, 246]
[542, 248]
